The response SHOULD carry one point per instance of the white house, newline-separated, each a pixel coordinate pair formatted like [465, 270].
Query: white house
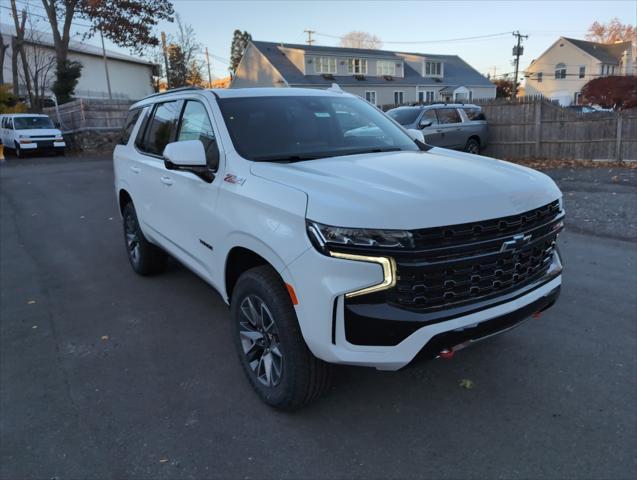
[569, 64]
[382, 77]
[130, 77]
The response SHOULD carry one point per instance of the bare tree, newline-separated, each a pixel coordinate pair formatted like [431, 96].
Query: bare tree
[41, 63]
[3, 51]
[128, 23]
[358, 39]
[612, 32]
[18, 49]
[183, 48]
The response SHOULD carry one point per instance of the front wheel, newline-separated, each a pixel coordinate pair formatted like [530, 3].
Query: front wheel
[273, 354]
[18, 151]
[144, 257]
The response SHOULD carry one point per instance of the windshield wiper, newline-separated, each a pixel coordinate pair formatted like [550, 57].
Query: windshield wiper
[288, 159]
[371, 150]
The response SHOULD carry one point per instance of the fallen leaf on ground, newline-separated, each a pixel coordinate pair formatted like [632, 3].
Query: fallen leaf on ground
[104, 337]
[30, 302]
[34, 327]
[163, 460]
[466, 383]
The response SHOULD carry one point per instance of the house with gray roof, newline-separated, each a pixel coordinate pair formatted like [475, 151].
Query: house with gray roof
[569, 64]
[382, 77]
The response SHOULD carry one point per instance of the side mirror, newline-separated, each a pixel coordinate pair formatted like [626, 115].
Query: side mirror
[187, 153]
[425, 123]
[416, 135]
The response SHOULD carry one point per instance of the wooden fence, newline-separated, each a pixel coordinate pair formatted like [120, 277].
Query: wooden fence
[519, 129]
[90, 115]
[536, 128]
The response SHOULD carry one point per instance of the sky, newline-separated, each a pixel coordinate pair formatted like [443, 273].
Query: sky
[414, 26]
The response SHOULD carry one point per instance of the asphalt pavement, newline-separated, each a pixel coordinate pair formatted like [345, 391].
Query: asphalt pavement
[104, 374]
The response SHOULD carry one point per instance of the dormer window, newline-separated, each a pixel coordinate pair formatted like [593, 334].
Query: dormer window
[325, 65]
[385, 68]
[357, 66]
[433, 68]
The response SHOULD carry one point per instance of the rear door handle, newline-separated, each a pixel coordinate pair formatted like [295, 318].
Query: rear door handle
[166, 180]
[135, 169]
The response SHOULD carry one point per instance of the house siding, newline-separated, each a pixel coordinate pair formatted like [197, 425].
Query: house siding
[255, 71]
[564, 89]
[129, 80]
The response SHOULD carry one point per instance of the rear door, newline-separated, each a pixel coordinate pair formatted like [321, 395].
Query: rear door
[450, 127]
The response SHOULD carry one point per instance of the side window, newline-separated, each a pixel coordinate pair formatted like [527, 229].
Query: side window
[161, 127]
[195, 125]
[474, 114]
[448, 115]
[131, 120]
[429, 115]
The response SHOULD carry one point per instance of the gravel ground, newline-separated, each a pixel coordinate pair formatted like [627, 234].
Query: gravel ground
[599, 201]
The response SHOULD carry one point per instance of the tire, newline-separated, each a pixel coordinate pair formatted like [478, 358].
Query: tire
[60, 153]
[472, 146]
[18, 151]
[265, 321]
[145, 258]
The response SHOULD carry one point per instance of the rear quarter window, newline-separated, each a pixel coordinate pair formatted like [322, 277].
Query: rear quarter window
[474, 114]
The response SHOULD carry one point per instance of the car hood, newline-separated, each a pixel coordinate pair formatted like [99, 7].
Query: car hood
[409, 190]
[40, 132]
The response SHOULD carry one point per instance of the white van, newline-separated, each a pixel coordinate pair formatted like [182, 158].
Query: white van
[27, 132]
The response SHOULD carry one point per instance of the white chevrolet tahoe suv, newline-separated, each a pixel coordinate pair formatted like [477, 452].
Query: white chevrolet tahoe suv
[334, 235]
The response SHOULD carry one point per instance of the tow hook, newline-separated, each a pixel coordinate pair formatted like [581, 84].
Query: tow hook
[447, 354]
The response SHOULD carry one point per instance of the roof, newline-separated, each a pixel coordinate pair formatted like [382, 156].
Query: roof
[456, 71]
[609, 53]
[242, 93]
[23, 115]
[46, 39]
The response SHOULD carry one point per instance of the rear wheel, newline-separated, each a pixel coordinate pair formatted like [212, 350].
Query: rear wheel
[273, 354]
[472, 146]
[144, 257]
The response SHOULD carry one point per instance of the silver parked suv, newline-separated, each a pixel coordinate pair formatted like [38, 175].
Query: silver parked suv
[461, 127]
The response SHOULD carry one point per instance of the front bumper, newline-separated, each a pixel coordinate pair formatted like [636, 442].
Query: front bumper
[325, 315]
[48, 145]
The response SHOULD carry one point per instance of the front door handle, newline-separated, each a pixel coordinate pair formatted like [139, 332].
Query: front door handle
[166, 180]
[135, 169]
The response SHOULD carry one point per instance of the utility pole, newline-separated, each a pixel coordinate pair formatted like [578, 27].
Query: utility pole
[209, 75]
[163, 45]
[517, 51]
[309, 40]
[108, 78]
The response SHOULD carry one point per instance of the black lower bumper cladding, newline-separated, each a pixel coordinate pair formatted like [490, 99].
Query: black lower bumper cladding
[381, 324]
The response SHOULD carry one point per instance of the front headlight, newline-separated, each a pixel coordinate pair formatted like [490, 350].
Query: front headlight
[324, 236]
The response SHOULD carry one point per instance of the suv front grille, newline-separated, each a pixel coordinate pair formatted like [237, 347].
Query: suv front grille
[466, 263]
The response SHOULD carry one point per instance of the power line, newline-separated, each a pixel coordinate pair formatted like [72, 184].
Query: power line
[492, 35]
[47, 18]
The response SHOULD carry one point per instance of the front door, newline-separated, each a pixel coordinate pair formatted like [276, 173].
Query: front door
[432, 132]
[191, 200]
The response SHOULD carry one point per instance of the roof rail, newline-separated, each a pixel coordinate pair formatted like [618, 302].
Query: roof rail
[172, 90]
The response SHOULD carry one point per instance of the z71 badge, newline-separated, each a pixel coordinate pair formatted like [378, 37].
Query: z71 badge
[231, 178]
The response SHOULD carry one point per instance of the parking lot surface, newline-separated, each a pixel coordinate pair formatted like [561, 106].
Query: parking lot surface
[104, 374]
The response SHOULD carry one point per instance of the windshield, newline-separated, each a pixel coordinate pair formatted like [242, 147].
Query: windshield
[404, 116]
[294, 128]
[28, 123]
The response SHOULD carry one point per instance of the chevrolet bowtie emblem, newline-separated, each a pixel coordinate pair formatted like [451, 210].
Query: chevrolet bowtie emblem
[518, 241]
